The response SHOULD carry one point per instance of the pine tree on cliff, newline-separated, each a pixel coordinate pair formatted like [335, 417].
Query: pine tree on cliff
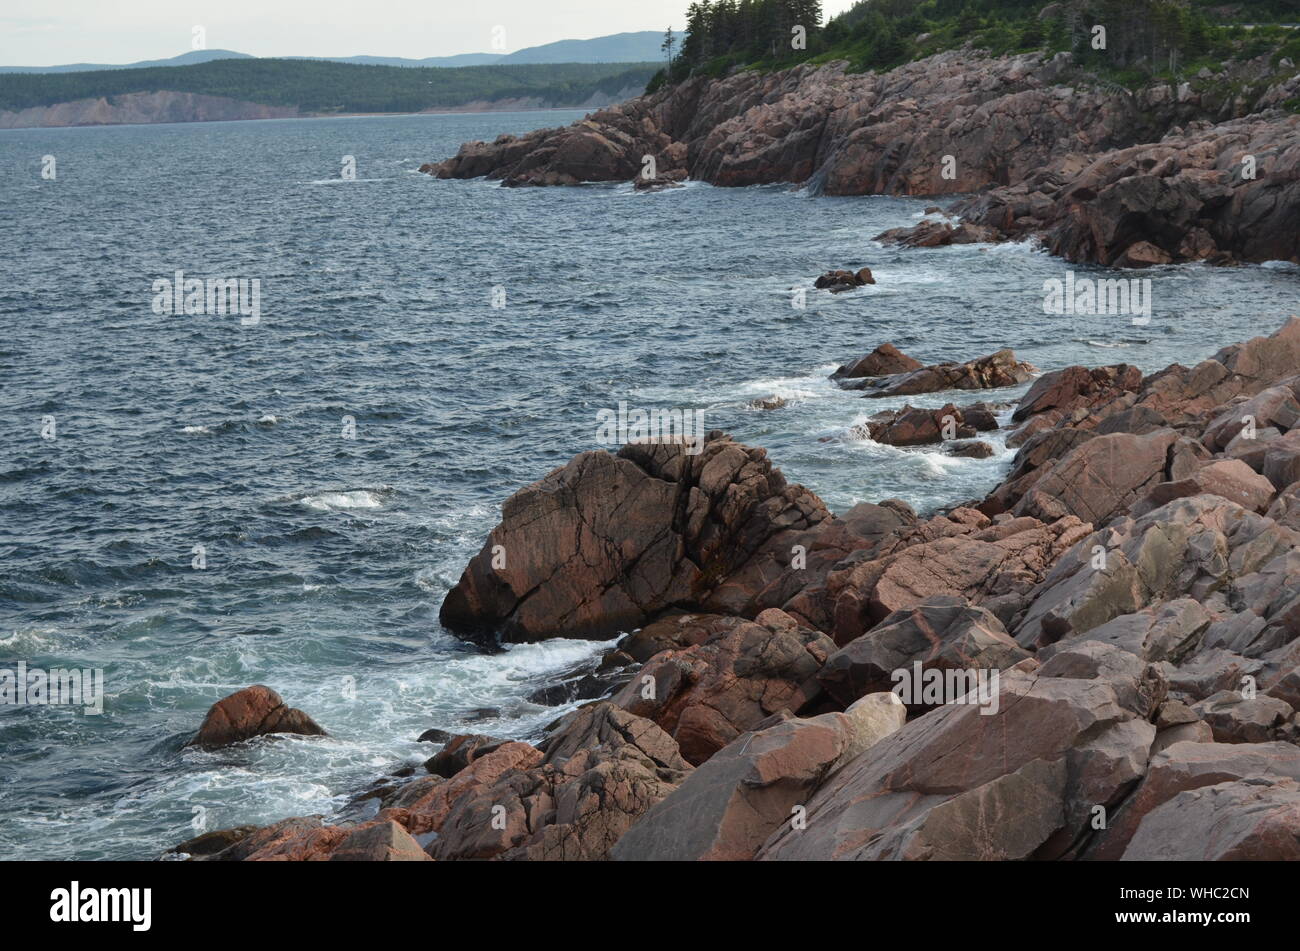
[667, 46]
[808, 14]
[697, 46]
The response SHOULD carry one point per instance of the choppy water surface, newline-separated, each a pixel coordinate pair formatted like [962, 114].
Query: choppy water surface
[327, 558]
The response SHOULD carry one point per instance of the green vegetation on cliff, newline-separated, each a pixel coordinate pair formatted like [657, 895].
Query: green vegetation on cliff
[1143, 38]
[318, 86]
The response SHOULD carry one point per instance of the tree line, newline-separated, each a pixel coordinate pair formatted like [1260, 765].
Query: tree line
[1141, 36]
[753, 29]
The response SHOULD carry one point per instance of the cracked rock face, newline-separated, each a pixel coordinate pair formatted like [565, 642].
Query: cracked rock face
[599, 771]
[607, 542]
[963, 554]
[708, 694]
[1247, 820]
[940, 633]
[726, 808]
[1242, 568]
[1183, 198]
[958, 784]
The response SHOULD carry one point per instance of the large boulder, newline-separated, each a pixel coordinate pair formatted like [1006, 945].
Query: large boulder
[963, 554]
[1281, 465]
[885, 360]
[430, 802]
[1167, 631]
[729, 805]
[1255, 821]
[381, 842]
[911, 426]
[253, 711]
[1187, 766]
[1285, 510]
[959, 784]
[1227, 478]
[600, 770]
[940, 633]
[1234, 718]
[607, 542]
[459, 751]
[1100, 478]
[708, 694]
[1274, 407]
[1076, 387]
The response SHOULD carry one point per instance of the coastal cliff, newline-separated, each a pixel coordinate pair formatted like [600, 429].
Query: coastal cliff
[1197, 171]
[142, 108]
[166, 106]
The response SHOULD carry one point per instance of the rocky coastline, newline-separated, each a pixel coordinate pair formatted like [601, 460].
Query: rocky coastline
[1105, 649]
[1196, 171]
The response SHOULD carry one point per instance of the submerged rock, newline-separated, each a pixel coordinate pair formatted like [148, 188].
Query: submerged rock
[844, 280]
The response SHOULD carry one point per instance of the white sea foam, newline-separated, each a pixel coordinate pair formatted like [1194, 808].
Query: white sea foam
[342, 501]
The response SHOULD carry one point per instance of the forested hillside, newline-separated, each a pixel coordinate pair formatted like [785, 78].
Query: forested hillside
[316, 86]
[1143, 37]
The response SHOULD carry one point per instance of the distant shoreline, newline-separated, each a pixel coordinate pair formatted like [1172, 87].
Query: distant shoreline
[468, 109]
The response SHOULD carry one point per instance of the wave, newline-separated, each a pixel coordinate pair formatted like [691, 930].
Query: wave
[345, 500]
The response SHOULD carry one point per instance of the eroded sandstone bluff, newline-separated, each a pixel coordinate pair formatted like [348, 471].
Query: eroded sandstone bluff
[1100, 173]
[1134, 583]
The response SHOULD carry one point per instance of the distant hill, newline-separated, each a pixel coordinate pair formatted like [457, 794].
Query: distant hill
[642, 47]
[307, 87]
[185, 59]
[461, 59]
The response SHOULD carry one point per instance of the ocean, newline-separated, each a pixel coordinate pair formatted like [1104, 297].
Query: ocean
[287, 501]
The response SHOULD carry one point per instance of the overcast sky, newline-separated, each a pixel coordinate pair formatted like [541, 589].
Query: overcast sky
[51, 32]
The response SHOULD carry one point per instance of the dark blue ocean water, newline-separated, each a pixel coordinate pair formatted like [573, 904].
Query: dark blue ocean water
[327, 558]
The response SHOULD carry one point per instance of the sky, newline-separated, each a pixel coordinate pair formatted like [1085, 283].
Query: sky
[53, 32]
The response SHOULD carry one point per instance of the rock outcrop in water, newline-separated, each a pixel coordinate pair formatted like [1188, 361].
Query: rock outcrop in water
[1115, 632]
[985, 373]
[253, 711]
[1193, 172]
